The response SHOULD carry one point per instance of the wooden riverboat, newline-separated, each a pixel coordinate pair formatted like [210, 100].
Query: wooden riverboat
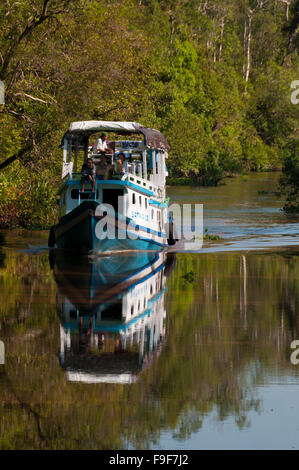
[127, 210]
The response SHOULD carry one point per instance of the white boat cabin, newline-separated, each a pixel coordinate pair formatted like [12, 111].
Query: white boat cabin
[142, 179]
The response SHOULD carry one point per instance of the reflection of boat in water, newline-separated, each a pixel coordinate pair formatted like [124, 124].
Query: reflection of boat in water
[112, 315]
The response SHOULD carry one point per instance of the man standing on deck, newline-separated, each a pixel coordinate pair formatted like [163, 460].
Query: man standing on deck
[88, 173]
[101, 145]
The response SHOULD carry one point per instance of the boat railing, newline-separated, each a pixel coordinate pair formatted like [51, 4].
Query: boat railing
[67, 169]
[134, 168]
[133, 173]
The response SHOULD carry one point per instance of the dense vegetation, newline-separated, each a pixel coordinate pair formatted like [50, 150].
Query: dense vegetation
[215, 76]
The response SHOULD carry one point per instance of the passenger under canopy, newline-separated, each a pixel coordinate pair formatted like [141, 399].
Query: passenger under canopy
[145, 167]
[153, 138]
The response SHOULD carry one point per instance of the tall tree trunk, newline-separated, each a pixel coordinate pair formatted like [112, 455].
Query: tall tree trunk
[221, 37]
[244, 45]
[203, 8]
[248, 48]
[293, 33]
[172, 28]
[287, 4]
[287, 10]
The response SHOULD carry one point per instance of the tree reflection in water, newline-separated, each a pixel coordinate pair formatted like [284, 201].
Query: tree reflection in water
[2, 256]
[229, 322]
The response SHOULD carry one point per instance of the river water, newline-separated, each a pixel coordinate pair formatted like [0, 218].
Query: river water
[185, 351]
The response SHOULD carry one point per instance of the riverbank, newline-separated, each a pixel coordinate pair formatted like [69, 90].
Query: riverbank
[246, 214]
[182, 181]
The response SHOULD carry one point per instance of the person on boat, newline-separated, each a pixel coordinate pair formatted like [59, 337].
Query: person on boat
[119, 167]
[102, 146]
[103, 168]
[88, 173]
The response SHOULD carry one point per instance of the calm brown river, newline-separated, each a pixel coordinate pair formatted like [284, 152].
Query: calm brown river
[180, 351]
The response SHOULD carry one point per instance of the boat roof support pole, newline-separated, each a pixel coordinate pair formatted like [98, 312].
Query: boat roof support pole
[163, 175]
[69, 151]
[144, 164]
[65, 149]
[86, 151]
[65, 145]
[159, 165]
[154, 167]
[76, 158]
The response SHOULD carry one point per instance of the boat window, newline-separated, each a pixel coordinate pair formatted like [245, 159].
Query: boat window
[145, 202]
[152, 213]
[140, 201]
[133, 198]
[132, 309]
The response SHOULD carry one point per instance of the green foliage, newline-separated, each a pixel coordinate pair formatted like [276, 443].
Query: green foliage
[189, 277]
[210, 237]
[26, 200]
[176, 66]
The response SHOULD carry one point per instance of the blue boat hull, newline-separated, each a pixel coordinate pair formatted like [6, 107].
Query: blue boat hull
[76, 231]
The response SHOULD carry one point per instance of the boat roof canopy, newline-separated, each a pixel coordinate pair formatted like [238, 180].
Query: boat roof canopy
[153, 138]
[90, 127]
